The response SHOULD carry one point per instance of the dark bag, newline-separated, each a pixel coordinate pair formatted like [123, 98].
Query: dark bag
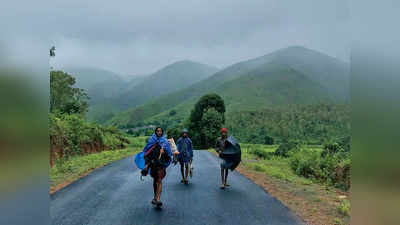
[152, 157]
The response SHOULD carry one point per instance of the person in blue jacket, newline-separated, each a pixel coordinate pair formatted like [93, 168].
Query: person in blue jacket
[185, 149]
[156, 157]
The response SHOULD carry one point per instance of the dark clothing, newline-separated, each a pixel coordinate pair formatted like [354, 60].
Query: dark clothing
[220, 145]
[185, 149]
[158, 173]
[230, 160]
[153, 158]
[156, 162]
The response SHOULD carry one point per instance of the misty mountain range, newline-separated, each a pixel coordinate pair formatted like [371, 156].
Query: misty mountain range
[293, 75]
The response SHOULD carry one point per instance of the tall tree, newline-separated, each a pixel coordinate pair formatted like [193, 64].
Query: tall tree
[64, 98]
[204, 122]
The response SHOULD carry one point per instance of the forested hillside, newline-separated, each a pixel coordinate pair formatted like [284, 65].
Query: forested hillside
[312, 124]
[292, 75]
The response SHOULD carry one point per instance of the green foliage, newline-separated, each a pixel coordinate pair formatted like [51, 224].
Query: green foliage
[68, 170]
[175, 132]
[211, 124]
[331, 148]
[259, 152]
[71, 132]
[285, 148]
[306, 162]
[206, 119]
[333, 168]
[344, 207]
[313, 124]
[64, 98]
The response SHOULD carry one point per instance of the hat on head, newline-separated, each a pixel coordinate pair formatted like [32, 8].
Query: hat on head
[184, 130]
[224, 130]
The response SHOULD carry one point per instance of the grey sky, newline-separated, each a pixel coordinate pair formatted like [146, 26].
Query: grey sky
[136, 37]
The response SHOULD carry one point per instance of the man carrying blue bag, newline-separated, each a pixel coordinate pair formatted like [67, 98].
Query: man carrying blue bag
[155, 157]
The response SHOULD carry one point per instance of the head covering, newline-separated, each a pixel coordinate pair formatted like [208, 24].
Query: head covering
[184, 130]
[224, 130]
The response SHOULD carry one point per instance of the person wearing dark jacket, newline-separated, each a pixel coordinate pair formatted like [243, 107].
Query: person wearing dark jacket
[229, 151]
[185, 148]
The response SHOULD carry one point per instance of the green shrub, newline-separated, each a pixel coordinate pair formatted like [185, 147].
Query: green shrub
[286, 147]
[70, 132]
[333, 170]
[259, 168]
[259, 152]
[330, 148]
[306, 163]
[344, 207]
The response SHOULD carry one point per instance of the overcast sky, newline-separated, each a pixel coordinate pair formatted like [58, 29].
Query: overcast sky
[140, 37]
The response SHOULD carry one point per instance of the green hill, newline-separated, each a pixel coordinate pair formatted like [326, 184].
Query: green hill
[293, 75]
[171, 78]
[110, 93]
[100, 84]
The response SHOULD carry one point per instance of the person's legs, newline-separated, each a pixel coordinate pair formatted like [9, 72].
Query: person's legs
[222, 177]
[155, 188]
[186, 171]
[226, 176]
[159, 189]
[182, 168]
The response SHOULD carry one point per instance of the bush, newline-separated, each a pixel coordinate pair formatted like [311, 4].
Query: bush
[284, 148]
[330, 148]
[70, 134]
[268, 140]
[259, 152]
[344, 208]
[306, 163]
[333, 170]
[259, 168]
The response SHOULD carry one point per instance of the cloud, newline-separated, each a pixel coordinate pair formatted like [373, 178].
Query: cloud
[135, 37]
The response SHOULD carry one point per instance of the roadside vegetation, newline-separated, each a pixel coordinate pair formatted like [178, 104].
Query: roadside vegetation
[312, 180]
[67, 171]
[78, 146]
[70, 133]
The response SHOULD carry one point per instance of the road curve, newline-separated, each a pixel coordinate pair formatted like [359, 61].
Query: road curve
[114, 195]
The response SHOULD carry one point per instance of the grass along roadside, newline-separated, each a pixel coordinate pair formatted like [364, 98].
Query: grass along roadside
[315, 203]
[76, 167]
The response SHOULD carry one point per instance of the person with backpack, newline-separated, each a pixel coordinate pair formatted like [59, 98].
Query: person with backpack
[185, 157]
[156, 157]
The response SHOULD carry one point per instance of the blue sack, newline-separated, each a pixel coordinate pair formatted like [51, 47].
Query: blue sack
[139, 160]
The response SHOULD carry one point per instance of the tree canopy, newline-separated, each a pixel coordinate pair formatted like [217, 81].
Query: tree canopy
[64, 97]
[207, 117]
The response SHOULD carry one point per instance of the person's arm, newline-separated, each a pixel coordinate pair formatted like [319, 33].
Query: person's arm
[217, 146]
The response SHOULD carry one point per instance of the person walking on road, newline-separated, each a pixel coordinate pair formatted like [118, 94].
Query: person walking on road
[185, 157]
[157, 157]
[229, 151]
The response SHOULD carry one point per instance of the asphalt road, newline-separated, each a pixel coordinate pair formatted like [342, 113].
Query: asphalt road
[114, 195]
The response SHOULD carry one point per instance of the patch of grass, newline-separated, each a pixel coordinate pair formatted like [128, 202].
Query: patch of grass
[75, 167]
[344, 207]
[338, 221]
